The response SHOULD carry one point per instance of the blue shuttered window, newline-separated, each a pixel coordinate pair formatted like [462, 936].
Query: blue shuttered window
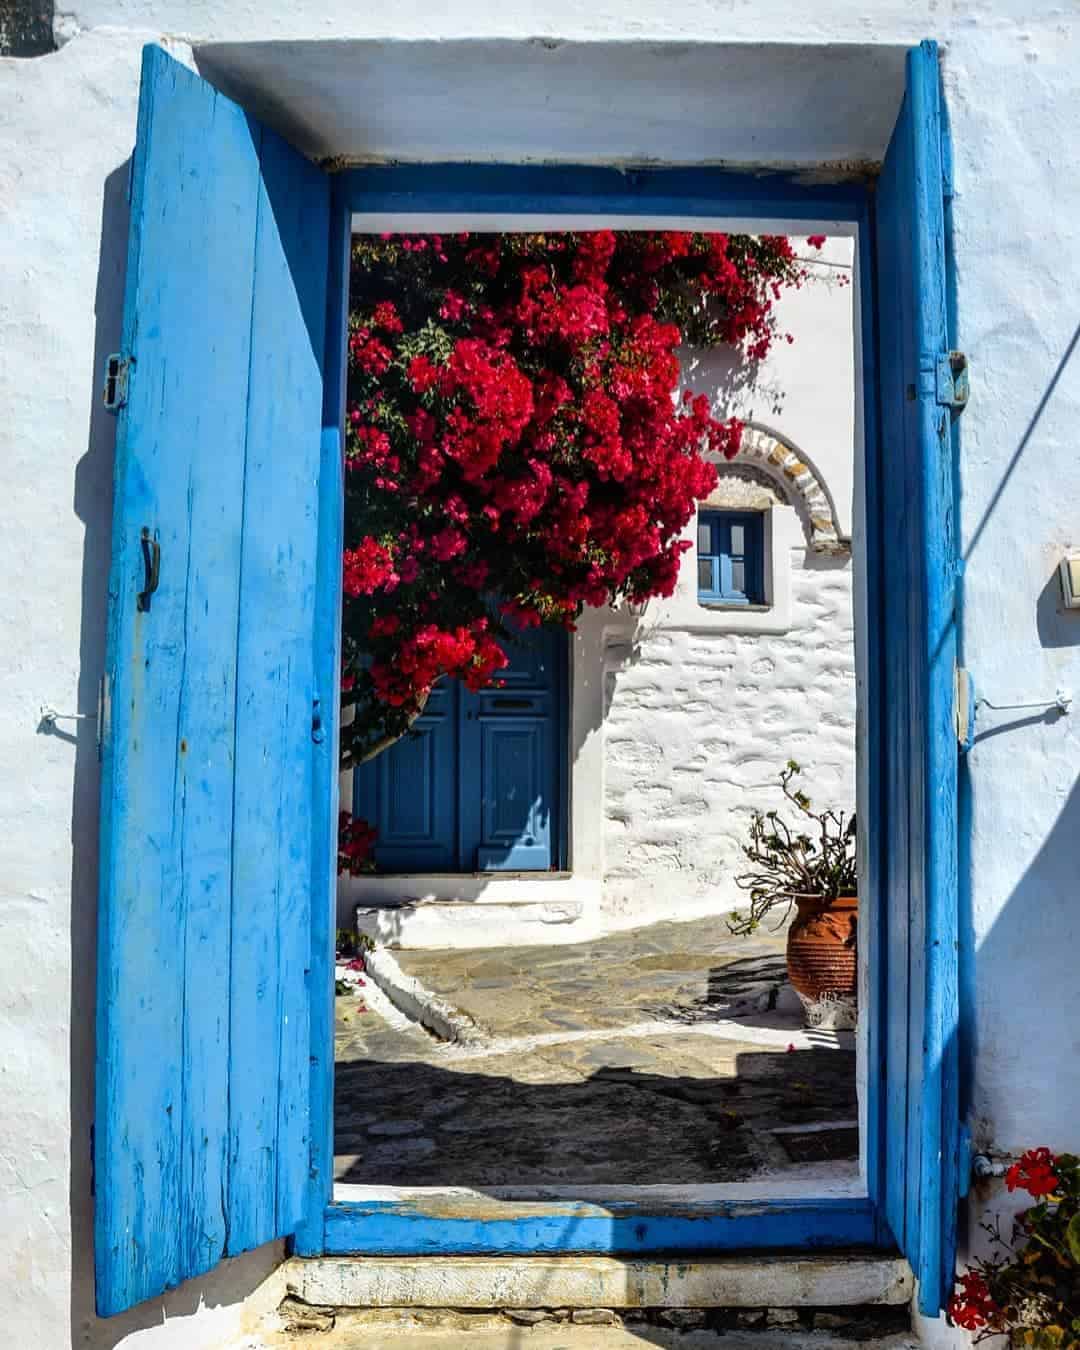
[731, 557]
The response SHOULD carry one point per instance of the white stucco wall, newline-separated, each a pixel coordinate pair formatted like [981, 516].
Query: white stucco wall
[699, 726]
[705, 706]
[1012, 73]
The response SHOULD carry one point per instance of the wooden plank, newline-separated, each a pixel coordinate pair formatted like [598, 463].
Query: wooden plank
[417, 1228]
[272, 819]
[309, 1235]
[893, 245]
[922, 1104]
[581, 189]
[937, 1164]
[873, 703]
[167, 760]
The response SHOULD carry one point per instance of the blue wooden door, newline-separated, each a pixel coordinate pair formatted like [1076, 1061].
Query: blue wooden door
[919, 785]
[213, 822]
[478, 787]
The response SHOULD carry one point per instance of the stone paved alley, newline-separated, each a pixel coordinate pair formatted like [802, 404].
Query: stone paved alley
[673, 1055]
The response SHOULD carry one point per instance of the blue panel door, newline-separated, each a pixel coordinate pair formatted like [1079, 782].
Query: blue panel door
[478, 787]
[209, 758]
[409, 792]
[919, 783]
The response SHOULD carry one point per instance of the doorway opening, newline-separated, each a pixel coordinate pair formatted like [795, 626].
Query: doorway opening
[564, 918]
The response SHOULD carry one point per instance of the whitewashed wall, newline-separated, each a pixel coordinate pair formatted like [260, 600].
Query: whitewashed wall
[699, 726]
[705, 706]
[1012, 70]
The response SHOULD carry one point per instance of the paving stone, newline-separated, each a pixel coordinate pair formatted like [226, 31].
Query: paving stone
[683, 1319]
[594, 1317]
[528, 1317]
[591, 1103]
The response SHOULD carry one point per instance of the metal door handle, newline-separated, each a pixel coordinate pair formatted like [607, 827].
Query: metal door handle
[151, 551]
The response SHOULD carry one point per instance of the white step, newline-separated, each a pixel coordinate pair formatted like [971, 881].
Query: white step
[492, 1282]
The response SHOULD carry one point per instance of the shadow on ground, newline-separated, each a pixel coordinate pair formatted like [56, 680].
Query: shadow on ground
[417, 1123]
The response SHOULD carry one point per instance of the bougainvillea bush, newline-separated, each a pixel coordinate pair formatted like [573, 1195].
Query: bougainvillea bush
[514, 431]
[516, 446]
[1029, 1287]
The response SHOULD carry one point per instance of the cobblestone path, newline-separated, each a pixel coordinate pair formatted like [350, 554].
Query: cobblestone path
[650, 1057]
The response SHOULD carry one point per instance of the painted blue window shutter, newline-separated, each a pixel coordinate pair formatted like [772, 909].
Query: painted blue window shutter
[731, 557]
[211, 817]
[920, 771]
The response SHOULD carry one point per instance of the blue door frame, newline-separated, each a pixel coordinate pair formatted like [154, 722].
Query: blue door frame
[415, 1225]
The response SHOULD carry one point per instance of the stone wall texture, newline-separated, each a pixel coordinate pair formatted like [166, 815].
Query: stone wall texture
[697, 729]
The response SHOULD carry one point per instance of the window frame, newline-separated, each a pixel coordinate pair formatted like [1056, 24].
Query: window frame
[721, 521]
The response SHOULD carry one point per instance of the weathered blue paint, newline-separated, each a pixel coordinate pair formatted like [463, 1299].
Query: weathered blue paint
[731, 557]
[456, 1227]
[920, 807]
[870, 642]
[270, 922]
[573, 189]
[477, 786]
[202, 1108]
[309, 1236]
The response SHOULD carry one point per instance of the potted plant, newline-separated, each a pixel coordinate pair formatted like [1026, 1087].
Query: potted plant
[1029, 1288]
[811, 869]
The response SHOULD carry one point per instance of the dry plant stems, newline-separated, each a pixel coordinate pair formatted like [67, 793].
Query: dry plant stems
[789, 864]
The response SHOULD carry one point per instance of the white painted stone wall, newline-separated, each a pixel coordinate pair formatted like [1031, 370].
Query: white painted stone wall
[699, 726]
[706, 705]
[1012, 75]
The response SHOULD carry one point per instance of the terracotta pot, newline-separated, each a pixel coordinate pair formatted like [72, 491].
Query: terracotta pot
[821, 947]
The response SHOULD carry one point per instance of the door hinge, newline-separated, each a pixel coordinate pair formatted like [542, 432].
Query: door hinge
[952, 381]
[115, 392]
[965, 709]
[318, 734]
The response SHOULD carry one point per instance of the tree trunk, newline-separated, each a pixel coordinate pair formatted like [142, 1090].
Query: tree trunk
[352, 756]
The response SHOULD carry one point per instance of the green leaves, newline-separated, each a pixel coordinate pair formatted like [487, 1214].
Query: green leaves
[785, 864]
[1072, 1237]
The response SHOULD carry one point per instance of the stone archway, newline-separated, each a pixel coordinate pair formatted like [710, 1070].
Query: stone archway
[800, 481]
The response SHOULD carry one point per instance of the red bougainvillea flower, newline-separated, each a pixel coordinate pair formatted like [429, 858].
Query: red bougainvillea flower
[815, 240]
[1034, 1173]
[356, 839]
[517, 440]
[972, 1307]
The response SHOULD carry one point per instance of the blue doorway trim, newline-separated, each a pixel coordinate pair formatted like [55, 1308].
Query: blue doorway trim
[416, 1224]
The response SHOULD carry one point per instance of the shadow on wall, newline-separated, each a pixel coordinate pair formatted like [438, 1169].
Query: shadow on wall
[1026, 989]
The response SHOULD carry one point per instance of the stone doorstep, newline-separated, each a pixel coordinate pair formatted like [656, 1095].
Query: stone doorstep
[885, 1328]
[589, 1282]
